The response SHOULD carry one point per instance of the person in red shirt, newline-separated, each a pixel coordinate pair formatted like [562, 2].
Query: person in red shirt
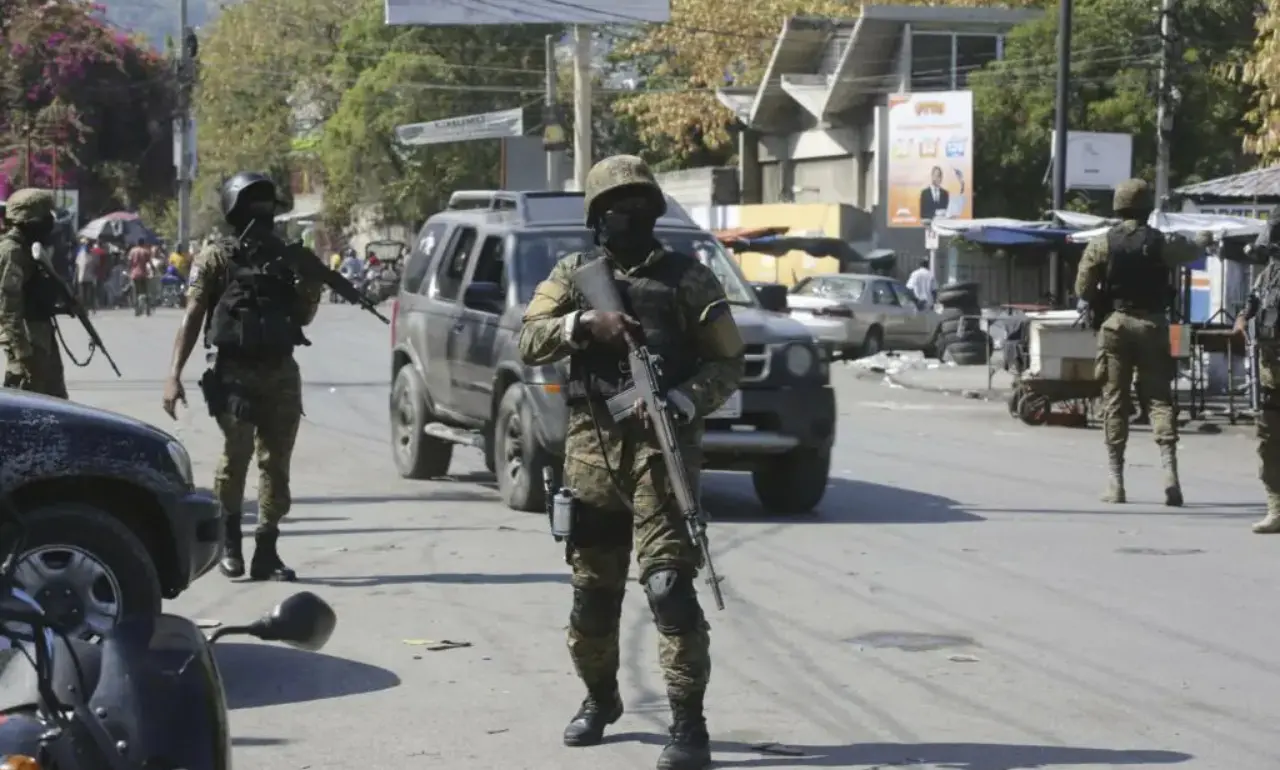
[139, 271]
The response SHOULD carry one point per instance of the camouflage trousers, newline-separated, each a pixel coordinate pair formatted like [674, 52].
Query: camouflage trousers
[42, 373]
[600, 570]
[1268, 420]
[275, 393]
[1130, 344]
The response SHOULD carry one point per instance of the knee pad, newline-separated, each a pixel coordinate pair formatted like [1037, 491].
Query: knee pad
[673, 601]
[596, 612]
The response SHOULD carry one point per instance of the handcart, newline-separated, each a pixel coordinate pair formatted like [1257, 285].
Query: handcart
[1061, 354]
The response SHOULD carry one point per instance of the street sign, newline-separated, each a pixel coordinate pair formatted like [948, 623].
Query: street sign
[930, 238]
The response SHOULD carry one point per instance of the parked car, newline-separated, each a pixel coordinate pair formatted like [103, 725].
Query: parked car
[859, 315]
[113, 520]
[458, 378]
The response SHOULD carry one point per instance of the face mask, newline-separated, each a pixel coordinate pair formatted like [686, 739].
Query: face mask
[628, 234]
[40, 231]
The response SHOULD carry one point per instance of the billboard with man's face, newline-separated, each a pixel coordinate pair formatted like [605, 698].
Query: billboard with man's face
[930, 168]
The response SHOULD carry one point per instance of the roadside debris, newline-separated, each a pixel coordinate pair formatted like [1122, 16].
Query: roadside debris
[777, 749]
[433, 645]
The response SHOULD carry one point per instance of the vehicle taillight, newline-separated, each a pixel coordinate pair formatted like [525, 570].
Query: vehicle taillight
[839, 311]
[395, 313]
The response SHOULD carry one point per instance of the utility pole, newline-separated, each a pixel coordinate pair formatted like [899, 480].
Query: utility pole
[555, 158]
[1060, 138]
[182, 126]
[1164, 106]
[581, 103]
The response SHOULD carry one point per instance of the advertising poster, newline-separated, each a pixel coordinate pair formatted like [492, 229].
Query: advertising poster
[930, 157]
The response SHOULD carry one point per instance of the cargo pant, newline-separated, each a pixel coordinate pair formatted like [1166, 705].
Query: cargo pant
[43, 372]
[275, 392]
[1268, 421]
[600, 569]
[1129, 344]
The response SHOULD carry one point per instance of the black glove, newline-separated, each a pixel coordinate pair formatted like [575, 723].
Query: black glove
[608, 328]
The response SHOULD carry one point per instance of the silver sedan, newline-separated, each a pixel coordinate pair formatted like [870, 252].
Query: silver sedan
[860, 315]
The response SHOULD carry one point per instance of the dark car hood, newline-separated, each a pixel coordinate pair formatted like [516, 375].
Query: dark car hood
[17, 405]
[760, 327]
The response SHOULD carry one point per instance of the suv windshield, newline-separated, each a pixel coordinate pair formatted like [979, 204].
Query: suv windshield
[537, 252]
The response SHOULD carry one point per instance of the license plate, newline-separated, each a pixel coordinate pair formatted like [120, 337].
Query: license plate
[731, 409]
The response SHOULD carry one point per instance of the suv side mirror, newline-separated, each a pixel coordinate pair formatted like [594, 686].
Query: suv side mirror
[303, 620]
[772, 296]
[485, 296]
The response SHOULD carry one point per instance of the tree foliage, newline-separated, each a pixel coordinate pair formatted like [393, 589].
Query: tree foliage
[390, 76]
[1115, 59]
[82, 106]
[1261, 69]
[264, 80]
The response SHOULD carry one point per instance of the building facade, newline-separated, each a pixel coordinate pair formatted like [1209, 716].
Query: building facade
[815, 130]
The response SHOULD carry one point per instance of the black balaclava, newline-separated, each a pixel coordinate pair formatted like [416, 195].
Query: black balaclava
[626, 225]
[256, 211]
[38, 231]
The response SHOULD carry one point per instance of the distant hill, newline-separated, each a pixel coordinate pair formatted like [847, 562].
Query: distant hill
[156, 19]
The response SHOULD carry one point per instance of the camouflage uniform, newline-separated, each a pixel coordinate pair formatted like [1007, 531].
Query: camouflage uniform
[647, 518]
[1133, 341]
[32, 359]
[1264, 298]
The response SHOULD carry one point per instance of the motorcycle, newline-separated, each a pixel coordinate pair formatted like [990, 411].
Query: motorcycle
[148, 696]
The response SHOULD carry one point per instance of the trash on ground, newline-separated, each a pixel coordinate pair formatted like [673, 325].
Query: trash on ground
[778, 749]
[962, 659]
[207, 623]
[433, 645]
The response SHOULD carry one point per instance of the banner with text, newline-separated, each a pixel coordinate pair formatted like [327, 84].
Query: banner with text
[486, 125]
[930, 142]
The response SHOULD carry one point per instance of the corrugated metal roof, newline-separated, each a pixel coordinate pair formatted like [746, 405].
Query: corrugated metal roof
[1259, 183]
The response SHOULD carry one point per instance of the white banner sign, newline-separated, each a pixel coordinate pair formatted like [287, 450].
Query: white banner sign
[468, 13]
[1096, 161]
[486, 125]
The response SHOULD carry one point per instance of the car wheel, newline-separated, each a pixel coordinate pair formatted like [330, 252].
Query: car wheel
[1033, 410]
[85, 568]
[873, 343]
[518, 458]
[793, 484]
[1015, 398]
[417, 455]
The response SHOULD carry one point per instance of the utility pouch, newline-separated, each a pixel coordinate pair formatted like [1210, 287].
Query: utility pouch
[214, 392]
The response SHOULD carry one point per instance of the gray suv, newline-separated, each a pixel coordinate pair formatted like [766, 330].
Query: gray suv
[458, 379]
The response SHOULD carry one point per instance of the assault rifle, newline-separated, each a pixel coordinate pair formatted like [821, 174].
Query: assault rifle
[304, 262]
[595, 282]
[73, 306]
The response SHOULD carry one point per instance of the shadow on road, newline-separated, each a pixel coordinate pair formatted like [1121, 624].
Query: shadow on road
[447, 578]
[449, 494]
[958, 756]
[256, 675]
[247, 741]
[730, 497]
[287, 532]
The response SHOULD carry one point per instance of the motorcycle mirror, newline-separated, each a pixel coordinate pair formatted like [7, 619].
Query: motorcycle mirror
[304, 620]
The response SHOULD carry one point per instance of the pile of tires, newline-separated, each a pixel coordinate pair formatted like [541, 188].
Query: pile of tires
[960, 338]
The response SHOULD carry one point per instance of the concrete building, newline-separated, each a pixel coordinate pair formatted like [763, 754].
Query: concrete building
[815, 130]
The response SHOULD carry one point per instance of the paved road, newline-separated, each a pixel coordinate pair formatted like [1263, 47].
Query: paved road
[961, 601]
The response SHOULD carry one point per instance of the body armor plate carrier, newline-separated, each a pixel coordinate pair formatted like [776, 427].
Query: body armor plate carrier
[1138, 277]
[254, 317]
[650, 295]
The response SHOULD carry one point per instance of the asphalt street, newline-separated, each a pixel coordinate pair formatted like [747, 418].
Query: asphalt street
[961, 599]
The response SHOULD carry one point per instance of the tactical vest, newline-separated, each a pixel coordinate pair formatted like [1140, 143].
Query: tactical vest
[254, 317]
[41, 296]
[651, 296]
[1137, 276]
[1267, 290]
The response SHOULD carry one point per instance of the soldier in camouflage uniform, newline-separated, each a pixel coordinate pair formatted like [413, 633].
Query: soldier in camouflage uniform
[1264, 306]
[253, 306]
[616, 470]
[29, 298]
[1126, 276]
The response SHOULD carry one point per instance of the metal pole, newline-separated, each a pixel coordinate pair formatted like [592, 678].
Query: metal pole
[555, 160]
[1060, 137]
[581, 103]
[183, 126]
[1164, 111]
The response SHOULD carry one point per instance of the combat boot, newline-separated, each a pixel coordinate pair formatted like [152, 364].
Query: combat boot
[232, 562]
[1115, 476]
[1172, 487]
[266, 564]
[689, 747]
[602, 707]
[1270, 524]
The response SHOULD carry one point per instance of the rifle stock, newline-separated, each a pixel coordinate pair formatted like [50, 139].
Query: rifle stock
[596, 284]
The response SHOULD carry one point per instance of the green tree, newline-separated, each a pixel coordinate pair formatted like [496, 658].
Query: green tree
[1115, 57]
[390, 76]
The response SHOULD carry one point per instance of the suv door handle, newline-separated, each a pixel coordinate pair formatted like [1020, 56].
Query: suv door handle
[459, 326]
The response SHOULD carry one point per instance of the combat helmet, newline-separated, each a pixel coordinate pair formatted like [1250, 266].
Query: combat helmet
[616, 173]
[1133, 196]
[28, 205]
[236, 189]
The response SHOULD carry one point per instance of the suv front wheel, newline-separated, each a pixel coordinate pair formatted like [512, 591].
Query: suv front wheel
[418, 456]
[794, 483]
[517, 455]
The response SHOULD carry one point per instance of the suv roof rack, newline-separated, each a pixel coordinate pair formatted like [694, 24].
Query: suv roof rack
[545, 207]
